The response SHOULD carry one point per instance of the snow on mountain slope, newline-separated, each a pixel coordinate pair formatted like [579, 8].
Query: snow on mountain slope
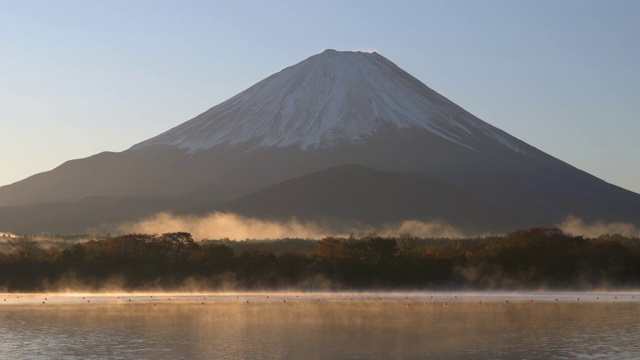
[329, 98]
[332, 109]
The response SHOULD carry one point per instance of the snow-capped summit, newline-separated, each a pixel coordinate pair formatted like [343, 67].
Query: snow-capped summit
[330, 98]
[340, 135]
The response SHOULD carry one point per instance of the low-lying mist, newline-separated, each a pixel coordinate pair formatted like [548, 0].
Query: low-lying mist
[577, 227]
[218, 225]
[224, 225]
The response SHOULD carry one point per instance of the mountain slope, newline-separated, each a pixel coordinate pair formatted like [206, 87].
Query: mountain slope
[356, 193]
[331, 101]
[332, 109]
[330, 98]
[78, 216]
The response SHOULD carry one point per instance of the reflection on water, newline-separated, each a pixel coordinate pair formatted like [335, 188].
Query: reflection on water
[304, 325]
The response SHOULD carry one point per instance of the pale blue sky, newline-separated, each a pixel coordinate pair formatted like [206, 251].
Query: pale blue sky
[81, 77]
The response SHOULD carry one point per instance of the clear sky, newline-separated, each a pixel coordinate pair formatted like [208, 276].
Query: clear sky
[81, 77]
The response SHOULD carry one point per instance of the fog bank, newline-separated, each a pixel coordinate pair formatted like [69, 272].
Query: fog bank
[218, 225]
[577, 227]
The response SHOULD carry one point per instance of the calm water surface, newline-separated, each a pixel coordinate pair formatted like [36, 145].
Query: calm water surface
[321, 326]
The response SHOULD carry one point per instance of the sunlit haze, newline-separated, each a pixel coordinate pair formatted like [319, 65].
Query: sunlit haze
[82, 77]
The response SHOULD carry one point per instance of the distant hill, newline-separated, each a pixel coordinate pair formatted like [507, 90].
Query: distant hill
[357, 193]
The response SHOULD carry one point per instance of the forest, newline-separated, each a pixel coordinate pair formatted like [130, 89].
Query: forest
[531, 259]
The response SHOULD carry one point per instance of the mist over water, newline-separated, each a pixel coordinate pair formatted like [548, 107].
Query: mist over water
[411, 325]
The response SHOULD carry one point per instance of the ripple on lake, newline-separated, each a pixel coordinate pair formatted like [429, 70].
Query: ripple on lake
[328, 325]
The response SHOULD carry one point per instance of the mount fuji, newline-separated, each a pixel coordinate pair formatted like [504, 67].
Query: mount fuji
[330, 98]
[307, 142]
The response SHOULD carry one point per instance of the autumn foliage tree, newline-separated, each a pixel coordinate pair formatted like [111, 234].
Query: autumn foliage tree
[527, 259]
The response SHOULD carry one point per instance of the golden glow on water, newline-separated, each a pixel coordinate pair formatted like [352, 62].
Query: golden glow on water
[293, 324]
[303, 296]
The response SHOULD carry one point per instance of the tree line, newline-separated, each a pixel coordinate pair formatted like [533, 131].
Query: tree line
[534, 258]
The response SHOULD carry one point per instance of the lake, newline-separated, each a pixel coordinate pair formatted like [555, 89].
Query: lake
[301, 325]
